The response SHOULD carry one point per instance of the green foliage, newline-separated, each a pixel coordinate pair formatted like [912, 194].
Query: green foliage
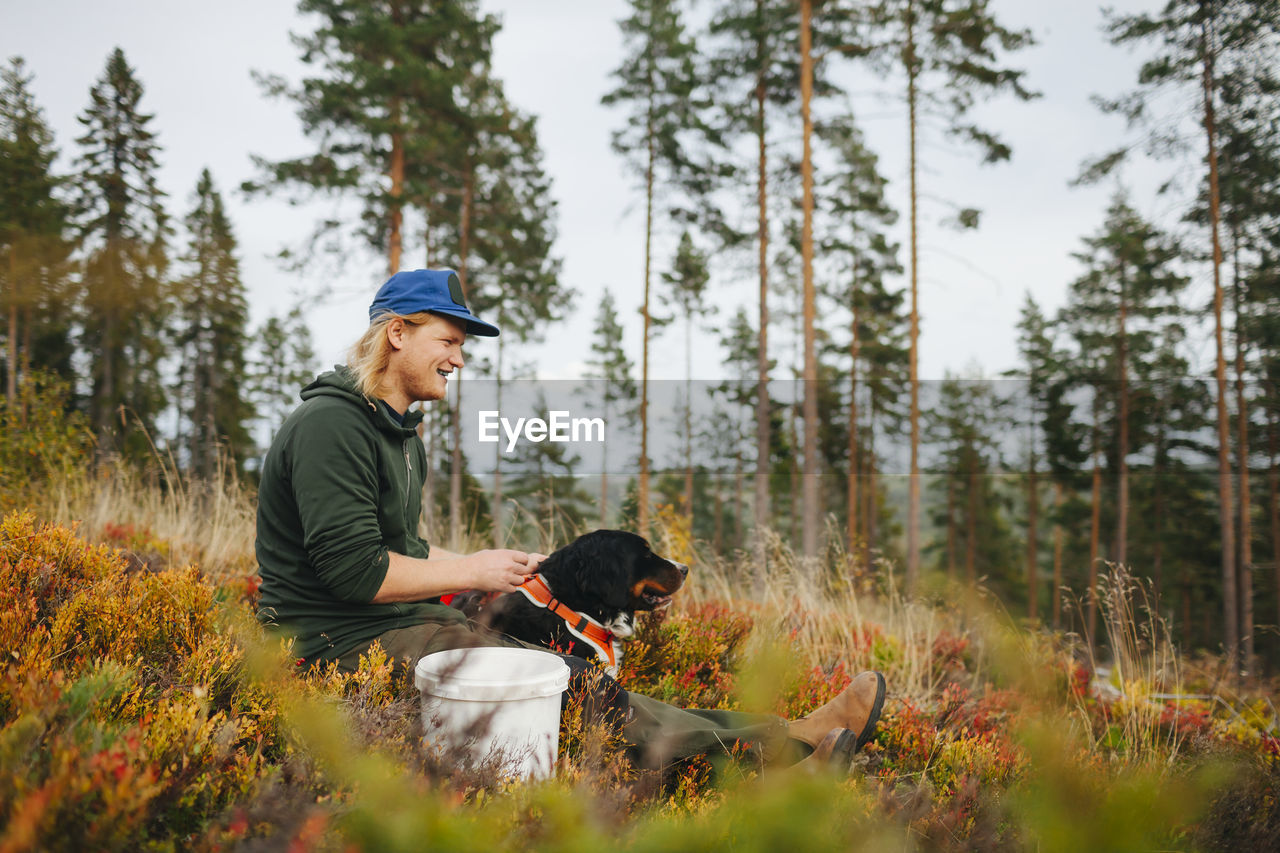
[285, 362]
[41, 440]
[385, 85]
[657, 81]
[124, 232]
[211, 337]
[34, 245]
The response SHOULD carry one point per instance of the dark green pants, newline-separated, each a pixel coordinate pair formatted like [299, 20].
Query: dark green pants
[659, 735]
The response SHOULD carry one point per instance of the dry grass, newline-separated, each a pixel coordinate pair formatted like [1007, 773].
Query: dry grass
[205, 523]
[824, 610]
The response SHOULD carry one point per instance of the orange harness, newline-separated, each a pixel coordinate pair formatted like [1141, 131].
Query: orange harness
[580, 625]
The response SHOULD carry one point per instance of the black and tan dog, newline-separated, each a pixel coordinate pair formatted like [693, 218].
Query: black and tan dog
[584, 599]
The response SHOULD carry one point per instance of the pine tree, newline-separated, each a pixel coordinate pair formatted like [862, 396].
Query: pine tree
[657, 80]
[881, 368]
[284, 361]
[213, 313]
[738, 393]
[33, 244]
[499, 240]
[1248, 124]
[948, 50]
[509, 272]
[754, 63]
[1172, 497]
[812, 507]
[610, 366]
[687, 281]
[1129, 286]
[382, 105]
[124, 232]
[858, 215]
[1202, 41]
[545, 486]
[1042, 368]
[966, 422]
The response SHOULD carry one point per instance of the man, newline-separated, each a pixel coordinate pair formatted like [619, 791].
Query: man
[342, 564]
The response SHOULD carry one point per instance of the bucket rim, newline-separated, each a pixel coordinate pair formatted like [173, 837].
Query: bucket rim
[447, 684]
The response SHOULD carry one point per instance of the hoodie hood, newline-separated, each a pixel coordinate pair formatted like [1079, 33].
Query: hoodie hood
[341, 383]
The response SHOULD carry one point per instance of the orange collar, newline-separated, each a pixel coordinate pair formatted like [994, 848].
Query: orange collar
[580, 625]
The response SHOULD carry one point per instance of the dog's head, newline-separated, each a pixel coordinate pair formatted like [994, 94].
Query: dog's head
[611, 574]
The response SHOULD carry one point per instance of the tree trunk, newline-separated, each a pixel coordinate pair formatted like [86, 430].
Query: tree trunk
[1273, 483]
[24, 361]
[11, 384]
[1157, 546]
[1122, 462]
[812, 486]
[107, 387]
[455, 465]
[951, 526]
[794, 521]
[851, 524]
[688, 422]
[1058, 498]
[209, 450]
[1244, 566]
[604, 466]
[913, 479]
[763, 454]
[872, 493]
[1095, 533]
[1226, 515]
[971, 526]
[499, 537]
[396, 170]
[643, 486]
[1033, 539]
[397, 190]
[739, 488]
[428, 434]
[717, 520]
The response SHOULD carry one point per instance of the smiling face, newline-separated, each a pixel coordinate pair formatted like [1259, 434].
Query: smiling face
[422, 358]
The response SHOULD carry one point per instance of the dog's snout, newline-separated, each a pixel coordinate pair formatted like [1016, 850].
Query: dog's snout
[684, 570]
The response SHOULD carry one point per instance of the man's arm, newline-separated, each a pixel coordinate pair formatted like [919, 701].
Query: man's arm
[498, 570]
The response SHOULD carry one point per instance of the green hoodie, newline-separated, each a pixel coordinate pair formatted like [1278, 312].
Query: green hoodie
[341, 487]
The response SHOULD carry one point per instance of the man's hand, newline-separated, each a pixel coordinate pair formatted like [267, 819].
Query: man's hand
[501, 569]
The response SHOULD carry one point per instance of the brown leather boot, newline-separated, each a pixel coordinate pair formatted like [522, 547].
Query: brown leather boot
[834, 753]
[856, 708]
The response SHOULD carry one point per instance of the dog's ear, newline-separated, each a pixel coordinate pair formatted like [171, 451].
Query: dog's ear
[596, 570]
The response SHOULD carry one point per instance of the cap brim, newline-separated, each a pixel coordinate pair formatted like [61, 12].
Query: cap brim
[476, 327]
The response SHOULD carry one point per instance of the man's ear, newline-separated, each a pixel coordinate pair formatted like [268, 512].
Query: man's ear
[395, 333]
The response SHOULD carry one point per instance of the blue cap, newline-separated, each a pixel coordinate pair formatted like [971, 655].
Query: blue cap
[437, 291]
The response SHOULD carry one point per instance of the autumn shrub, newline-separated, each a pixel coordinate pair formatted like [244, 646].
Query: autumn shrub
[42, 440]
[141, 707]
[687, 659]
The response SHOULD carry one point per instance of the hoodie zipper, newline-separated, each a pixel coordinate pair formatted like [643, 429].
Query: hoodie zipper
[408, 473]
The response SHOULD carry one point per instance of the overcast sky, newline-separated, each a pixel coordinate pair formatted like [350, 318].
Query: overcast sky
[555, 56]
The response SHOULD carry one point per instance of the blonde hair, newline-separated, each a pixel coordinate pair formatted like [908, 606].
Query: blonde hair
[368, 357]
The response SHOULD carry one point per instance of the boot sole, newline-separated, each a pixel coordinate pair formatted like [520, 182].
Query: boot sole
[845, 748]
[869, 728]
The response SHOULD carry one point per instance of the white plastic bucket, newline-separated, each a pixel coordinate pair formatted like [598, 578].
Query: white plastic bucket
[494, 699]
